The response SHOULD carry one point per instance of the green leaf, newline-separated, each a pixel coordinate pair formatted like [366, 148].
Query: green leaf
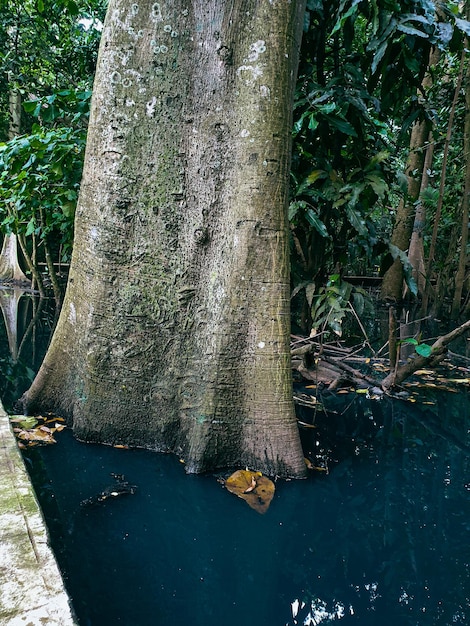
[409, 341]
[424, 349]
[378, 184]
[463, 25]
[409, 30]
[342, 125]
[294, 208]
[24, 421]
[407, 267]
[356, 220]
[315, 221]
[30, 228]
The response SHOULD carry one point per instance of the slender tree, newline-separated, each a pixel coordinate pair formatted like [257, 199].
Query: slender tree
[174, 334]
[462, 253]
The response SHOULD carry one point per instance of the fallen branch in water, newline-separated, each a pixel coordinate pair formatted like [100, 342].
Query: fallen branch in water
[326, 362]
[438, 354]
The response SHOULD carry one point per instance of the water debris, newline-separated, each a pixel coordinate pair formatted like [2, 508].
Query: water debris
[257, 490]
[39, 430]
[120, 488]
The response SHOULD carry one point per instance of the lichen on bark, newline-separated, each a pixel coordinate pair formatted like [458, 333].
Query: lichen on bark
[179, 282]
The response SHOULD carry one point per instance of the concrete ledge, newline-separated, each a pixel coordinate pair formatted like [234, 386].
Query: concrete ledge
[31, 587]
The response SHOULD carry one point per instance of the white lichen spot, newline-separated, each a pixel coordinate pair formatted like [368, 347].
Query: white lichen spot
[244, 133]
[174, 33]
[115, 78]
[134, 9]
[256, 49]
[130, 102]
[185, 12]
[264, 91]
[249, 73]
[126, 83]
[163, 49]
[167, 28]
[156, 12]
[265, 163]
[150, 107]
[261, 344]
[72, 314]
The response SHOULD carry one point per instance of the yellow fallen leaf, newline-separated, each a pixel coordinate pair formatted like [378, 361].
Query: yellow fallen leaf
[257, 490]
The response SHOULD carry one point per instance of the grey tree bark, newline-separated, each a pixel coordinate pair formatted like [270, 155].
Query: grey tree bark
[174, 333]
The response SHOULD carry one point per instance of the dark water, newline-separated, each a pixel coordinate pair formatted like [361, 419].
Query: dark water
[382, 539]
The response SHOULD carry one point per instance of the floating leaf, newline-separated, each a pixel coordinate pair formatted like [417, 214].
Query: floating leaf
[257, 490]
[23, 421]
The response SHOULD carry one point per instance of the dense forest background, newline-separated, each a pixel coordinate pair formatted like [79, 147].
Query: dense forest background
[380, 174]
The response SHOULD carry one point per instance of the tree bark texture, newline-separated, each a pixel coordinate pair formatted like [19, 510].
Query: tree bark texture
[174, 334]
[392, 284]
[463, 256]
[409, 224]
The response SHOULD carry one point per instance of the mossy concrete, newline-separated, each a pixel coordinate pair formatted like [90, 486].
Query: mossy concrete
[31, 587]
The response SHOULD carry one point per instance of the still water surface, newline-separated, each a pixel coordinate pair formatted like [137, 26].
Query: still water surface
[382, 539]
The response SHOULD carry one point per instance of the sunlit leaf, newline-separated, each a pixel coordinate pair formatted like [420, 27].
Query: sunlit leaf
[23, 421]
[257, 490]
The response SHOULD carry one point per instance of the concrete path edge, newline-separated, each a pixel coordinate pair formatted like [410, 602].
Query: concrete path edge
[32, 592]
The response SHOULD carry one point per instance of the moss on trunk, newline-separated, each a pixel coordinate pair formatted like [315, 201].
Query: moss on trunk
[174, 333]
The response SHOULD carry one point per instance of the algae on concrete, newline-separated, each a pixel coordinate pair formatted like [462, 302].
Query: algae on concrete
[31, 587]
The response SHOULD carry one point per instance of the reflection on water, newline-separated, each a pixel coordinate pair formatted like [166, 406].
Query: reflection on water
[25, 331]
[382, 539]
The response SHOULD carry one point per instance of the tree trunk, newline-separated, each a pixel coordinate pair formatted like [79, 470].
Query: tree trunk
[9, 265]
[392, 284]
[416, 252]
[174, 334]
[440, 202]
[10, 269]
[463, 256]
[409, 224]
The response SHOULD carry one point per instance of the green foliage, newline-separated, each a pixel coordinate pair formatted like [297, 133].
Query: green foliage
[362, 65]
[423, 349]
[45, 48]
[39, 182]
[330, 304]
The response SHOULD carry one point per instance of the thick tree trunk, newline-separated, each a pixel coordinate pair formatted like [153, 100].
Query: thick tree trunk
[10, 269]
[174, 334]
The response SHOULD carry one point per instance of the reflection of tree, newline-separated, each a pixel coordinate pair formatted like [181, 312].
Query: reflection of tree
[9, 300]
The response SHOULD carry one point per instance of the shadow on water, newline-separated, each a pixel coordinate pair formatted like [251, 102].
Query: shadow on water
[382, 538]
